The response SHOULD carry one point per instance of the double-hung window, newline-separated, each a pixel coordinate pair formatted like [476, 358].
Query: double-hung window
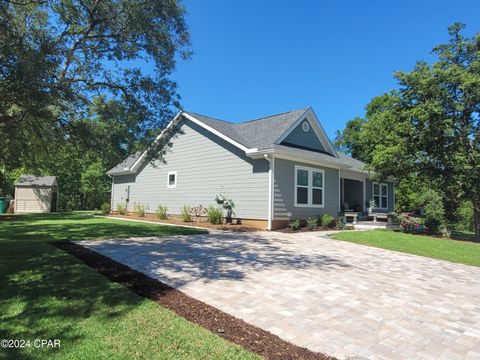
[309, 187]
[380, 195]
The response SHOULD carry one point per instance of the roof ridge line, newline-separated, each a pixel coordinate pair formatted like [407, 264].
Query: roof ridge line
[269, 116]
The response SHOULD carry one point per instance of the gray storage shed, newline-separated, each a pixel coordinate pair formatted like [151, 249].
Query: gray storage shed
[36, 194]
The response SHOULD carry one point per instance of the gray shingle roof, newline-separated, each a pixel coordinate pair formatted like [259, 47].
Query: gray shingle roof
[262, 134]
[125, 164]
[258, 133]
[33, 180]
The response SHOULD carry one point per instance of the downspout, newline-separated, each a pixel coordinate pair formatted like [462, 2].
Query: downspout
[271, 169]
[111, 191]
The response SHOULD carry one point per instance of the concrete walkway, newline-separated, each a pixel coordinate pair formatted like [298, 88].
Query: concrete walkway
[335, 297]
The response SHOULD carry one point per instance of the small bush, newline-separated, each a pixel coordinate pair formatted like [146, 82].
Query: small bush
[327, 220]
[105, 208]
[311, 223]
[434, 211]
[186, 213]
[161, 212]
[122, 208]
[339, 223]
[294, 224]
[214, 215]
[139, 209]
[409, 224]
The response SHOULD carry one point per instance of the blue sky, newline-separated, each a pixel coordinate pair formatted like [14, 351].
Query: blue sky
[256, 58]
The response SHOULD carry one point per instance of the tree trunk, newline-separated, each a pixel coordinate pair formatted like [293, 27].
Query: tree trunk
[476, 219]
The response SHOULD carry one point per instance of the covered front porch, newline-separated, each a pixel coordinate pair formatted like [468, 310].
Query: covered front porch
[354, 201]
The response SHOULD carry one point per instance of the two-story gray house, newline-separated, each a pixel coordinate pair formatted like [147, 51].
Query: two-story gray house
[275, 168]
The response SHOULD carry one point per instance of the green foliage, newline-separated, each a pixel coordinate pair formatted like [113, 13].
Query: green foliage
[465, 217]
[73, 102]
[294, 224]
[429, 125]
[327, 220]
[161, 212]
[122, 208]
[349, 140]
[214, 215]
[185, 213]
[139, 209]
[312, 223]
[434, 211]
[105, 208]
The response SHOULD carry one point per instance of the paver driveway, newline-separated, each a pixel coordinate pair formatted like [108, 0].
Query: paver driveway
[331, 296]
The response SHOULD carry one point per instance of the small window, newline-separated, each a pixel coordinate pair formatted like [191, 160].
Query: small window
[309, 187]
[172, 179]
[305, 126]
[380, 195]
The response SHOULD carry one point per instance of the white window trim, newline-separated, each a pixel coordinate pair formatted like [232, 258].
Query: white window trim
[168, 180]
[380, 194]
[310, 187]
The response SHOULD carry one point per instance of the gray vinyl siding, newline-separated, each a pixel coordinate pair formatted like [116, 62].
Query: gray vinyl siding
[284, 189]
[206, 165]
[304, 139]
[390, 191]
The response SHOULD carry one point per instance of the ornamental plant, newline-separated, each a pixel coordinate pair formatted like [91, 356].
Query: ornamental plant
[185, 213]
[161, 212]
[198, 211]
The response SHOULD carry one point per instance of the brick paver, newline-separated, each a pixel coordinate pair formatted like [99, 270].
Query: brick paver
[331, 296]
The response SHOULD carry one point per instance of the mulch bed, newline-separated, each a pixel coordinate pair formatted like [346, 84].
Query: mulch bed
[203, 224]
[235, 330]
[304, 229]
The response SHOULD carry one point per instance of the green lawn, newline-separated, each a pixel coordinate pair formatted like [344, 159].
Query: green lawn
[450, 250]
[48, 294]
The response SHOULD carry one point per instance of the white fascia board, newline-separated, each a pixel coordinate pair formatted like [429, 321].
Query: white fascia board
[292, 127]
[317, 128]
[216, 132]
[139, 161]
[279, 154]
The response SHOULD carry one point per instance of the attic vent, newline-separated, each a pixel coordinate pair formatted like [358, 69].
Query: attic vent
[305, 126]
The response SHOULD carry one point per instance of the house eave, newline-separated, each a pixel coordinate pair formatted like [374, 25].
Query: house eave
[281, 154]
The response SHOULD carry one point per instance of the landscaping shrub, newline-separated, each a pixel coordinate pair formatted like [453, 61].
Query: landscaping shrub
[161, 212]
[294, 224]
[214, 215]
[105, 208]
[339, 223]
[312, 223]
[139, 209]
[122, 208]
[186, 213]
[327, 220]
[408, 223]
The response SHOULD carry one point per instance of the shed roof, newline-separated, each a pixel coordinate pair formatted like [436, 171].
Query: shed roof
[36, 181]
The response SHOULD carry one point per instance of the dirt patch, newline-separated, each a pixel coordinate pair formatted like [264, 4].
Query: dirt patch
[204, 224]
[235, 330]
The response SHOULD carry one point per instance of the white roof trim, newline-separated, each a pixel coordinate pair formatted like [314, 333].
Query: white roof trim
[134, 167]
[317, 128]
[281, 154]
[216, 132]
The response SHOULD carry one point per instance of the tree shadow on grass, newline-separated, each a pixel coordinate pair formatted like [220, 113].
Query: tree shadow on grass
[211, 257]
[46, 294]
